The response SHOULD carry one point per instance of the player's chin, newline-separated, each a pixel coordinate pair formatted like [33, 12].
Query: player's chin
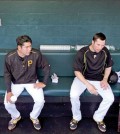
[27, 54]
[97, 51]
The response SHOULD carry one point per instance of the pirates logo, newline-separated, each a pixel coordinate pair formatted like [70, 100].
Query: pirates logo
[29, 62]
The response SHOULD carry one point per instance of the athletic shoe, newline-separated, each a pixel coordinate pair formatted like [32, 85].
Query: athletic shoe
[36, 124]
[73, 124]
[12, 123]
[101, 126]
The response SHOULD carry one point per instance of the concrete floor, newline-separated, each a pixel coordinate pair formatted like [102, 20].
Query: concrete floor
[55, 119]
[58, 125]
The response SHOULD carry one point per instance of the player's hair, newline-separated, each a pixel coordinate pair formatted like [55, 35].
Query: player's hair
[100, 36]
[24, 38]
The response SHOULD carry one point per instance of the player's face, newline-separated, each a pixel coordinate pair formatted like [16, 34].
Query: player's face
[98, 45]
[25, 49]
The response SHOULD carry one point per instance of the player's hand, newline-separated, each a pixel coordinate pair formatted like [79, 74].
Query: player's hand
[104, 84]
[8, 96]
[92, 89]
[39, 85]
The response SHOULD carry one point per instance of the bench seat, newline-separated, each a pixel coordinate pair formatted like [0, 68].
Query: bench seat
[60, 89]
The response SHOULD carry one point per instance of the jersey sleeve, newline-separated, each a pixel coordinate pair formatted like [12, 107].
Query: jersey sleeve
[79, 61]
[109, 61]
[44, 65]
[7, 74]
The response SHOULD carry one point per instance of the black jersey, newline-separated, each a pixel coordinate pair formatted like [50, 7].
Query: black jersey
[92, 64]
[24, 70]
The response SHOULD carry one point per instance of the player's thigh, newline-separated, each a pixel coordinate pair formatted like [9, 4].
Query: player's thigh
[77, 88]
[37, 94]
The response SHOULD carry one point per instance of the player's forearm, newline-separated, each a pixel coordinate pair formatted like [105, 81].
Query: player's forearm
[107, 73]
[81, 77]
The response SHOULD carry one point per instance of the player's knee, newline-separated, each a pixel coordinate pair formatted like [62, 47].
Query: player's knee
[40, 103]
[74, 97]
[7, 105]
[110, 99]
[74, 94]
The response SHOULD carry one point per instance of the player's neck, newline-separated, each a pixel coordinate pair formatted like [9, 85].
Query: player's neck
[91, 48]
[20, 54]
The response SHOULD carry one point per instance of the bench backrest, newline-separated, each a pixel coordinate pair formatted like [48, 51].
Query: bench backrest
[2, 59]
[116, 60]
[61, 62]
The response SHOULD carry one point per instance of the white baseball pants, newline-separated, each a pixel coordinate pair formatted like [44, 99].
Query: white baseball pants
[78, 88]
[37, 95]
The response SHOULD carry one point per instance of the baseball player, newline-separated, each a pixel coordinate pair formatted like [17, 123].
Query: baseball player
[21, 66]
[92, 67]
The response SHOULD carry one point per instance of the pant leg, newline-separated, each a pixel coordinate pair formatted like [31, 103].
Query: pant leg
[77, 89]
[38, 97]
[107, 100]
[16, 89]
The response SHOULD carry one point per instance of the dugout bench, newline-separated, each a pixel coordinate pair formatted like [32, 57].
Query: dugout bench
[60, 58]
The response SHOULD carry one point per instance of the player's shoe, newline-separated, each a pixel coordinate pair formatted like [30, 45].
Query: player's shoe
[12, 123]
[36, 123]
[73, 124]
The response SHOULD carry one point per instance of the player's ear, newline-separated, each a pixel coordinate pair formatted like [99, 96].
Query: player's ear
[92, 41]
[18, 47]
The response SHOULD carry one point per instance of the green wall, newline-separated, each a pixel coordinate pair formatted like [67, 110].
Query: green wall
[59, 21]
